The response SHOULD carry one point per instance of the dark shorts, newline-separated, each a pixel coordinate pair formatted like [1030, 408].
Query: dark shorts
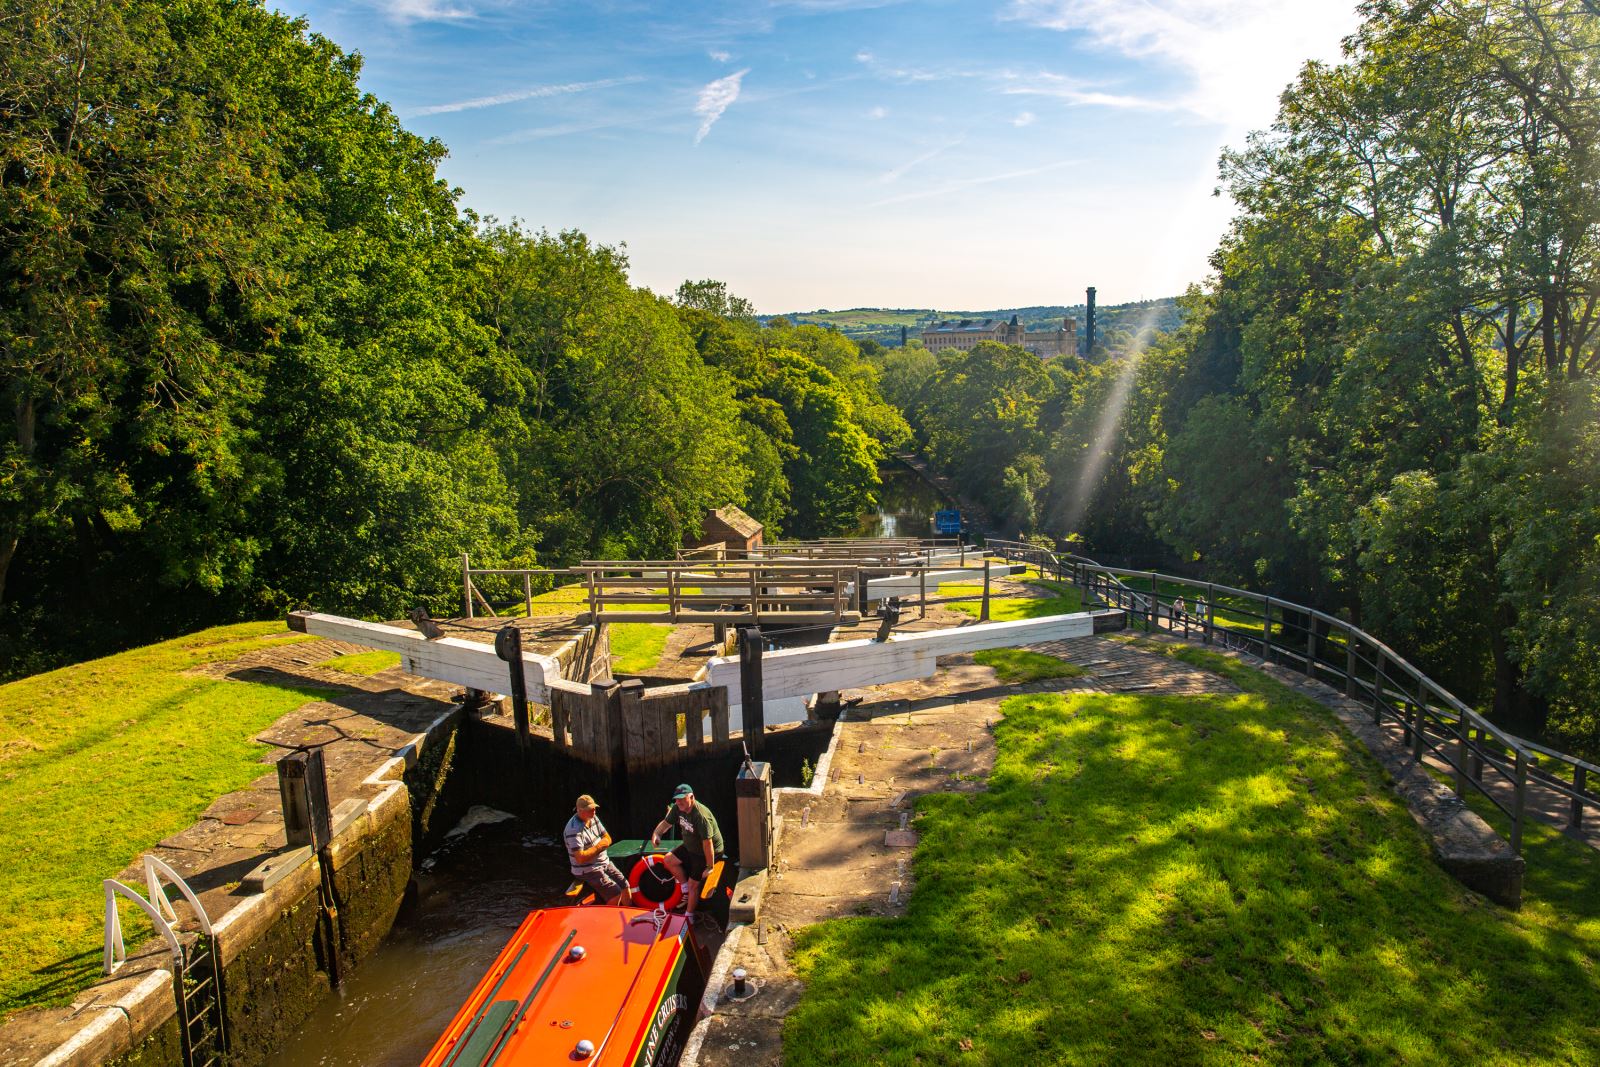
[693, 860]
[605, 880]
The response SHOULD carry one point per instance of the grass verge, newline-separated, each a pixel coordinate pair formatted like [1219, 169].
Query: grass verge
[362, 663]
[1063, 601]
[1013, 665]
[1200, 880]
[636, 647]
[100, 761]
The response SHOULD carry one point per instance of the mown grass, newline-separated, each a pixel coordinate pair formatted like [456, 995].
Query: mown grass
[362, 663]
[99, 762]
[1064, 601]
[1205, 880]
[1013, 665]
[636, 647]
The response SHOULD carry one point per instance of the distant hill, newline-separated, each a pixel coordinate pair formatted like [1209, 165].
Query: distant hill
[883, 324]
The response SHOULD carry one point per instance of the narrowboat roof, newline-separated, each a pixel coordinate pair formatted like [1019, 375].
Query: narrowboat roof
[542, 996]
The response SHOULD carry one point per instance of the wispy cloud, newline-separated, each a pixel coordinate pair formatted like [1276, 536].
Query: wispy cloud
[423, 10]
[719, 55]
[1073, 91]
[1239, 54]
[534, 93]
[714, 99]
[879, 112]
[1024, 118]
[968, 183]
[863, 56]
[890, 176]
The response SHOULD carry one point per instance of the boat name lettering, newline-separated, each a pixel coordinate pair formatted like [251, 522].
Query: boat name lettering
[669, 1009]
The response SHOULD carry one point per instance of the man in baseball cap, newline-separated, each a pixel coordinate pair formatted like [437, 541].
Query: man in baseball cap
[701, 844]
[587, 840]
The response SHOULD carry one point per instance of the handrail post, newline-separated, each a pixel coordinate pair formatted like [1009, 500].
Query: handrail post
[1155, 604]
[1378, 666]
[1349, 665]
[466, 584]
[1519, 805]
[922, 591]
[983, 613]
[1580, 779]
[1421, 714]
[1266, 629]
[527, 591]
[1211, 612]
[1461, 755]
[1311, 645]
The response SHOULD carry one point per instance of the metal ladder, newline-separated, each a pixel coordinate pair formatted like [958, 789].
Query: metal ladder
[196, 965]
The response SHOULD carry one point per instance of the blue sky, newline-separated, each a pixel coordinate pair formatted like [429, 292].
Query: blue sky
[846, 153]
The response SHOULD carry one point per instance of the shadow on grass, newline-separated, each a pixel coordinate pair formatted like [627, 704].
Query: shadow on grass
[1187, 880]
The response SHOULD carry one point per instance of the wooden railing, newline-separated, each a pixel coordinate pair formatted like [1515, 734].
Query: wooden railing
[470, 592]
[727, 591]
[1331, 650]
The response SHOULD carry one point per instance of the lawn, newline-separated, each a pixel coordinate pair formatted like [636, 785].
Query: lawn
[100, 761]
[636, 647]
[1013, 666]
[362, 663]
[1208, 880]
[1065, 601]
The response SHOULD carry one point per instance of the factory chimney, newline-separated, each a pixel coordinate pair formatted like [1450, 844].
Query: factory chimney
[1088, 328]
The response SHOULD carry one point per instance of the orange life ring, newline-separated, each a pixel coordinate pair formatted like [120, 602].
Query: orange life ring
[651, 883]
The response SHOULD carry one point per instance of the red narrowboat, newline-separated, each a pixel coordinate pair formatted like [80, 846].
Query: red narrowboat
[618, 987]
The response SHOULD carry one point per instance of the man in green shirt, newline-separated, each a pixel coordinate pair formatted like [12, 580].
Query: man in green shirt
[701, 844]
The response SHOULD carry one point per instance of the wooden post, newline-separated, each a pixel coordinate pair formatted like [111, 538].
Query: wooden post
[750, 701]
[983, 612]
[1266, 629]
[594, 602]
[753, 799]
[303, 794]
[508, 646]
[466, 585]
[922, 591]
[1311, 645]
[1211, 612]
[527, 591]
[1580, 778]
[672, 594]
[615, 697]
[1519, 804]
[1350, 665]
[1461, 755]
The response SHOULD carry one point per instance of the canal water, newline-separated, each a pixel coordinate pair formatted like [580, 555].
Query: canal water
[472, 894]
[906, 504]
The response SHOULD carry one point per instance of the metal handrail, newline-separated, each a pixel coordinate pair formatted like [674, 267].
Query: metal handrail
[1431, 717]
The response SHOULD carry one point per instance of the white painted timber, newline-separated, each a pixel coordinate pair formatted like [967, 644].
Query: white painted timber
[450, 659]
[799, 672]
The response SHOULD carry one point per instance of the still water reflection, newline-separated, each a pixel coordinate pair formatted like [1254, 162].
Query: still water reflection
[906, 505]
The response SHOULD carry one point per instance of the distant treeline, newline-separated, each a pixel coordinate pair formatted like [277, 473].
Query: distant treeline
[1117, 323]
[1387, 404]
[254, 357]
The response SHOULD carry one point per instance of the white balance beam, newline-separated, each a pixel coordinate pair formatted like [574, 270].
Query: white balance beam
[800, 672]
[450, 659]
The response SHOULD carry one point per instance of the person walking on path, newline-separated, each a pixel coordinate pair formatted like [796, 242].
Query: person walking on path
[700, 847]
[587, 840]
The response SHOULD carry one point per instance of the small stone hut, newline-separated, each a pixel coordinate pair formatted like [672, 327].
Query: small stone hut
[729, 527]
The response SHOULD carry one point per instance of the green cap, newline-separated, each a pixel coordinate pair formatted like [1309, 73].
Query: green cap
[684, 790]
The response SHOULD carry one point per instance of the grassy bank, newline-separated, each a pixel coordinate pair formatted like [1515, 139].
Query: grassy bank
[1172, 880]
[100, 761]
